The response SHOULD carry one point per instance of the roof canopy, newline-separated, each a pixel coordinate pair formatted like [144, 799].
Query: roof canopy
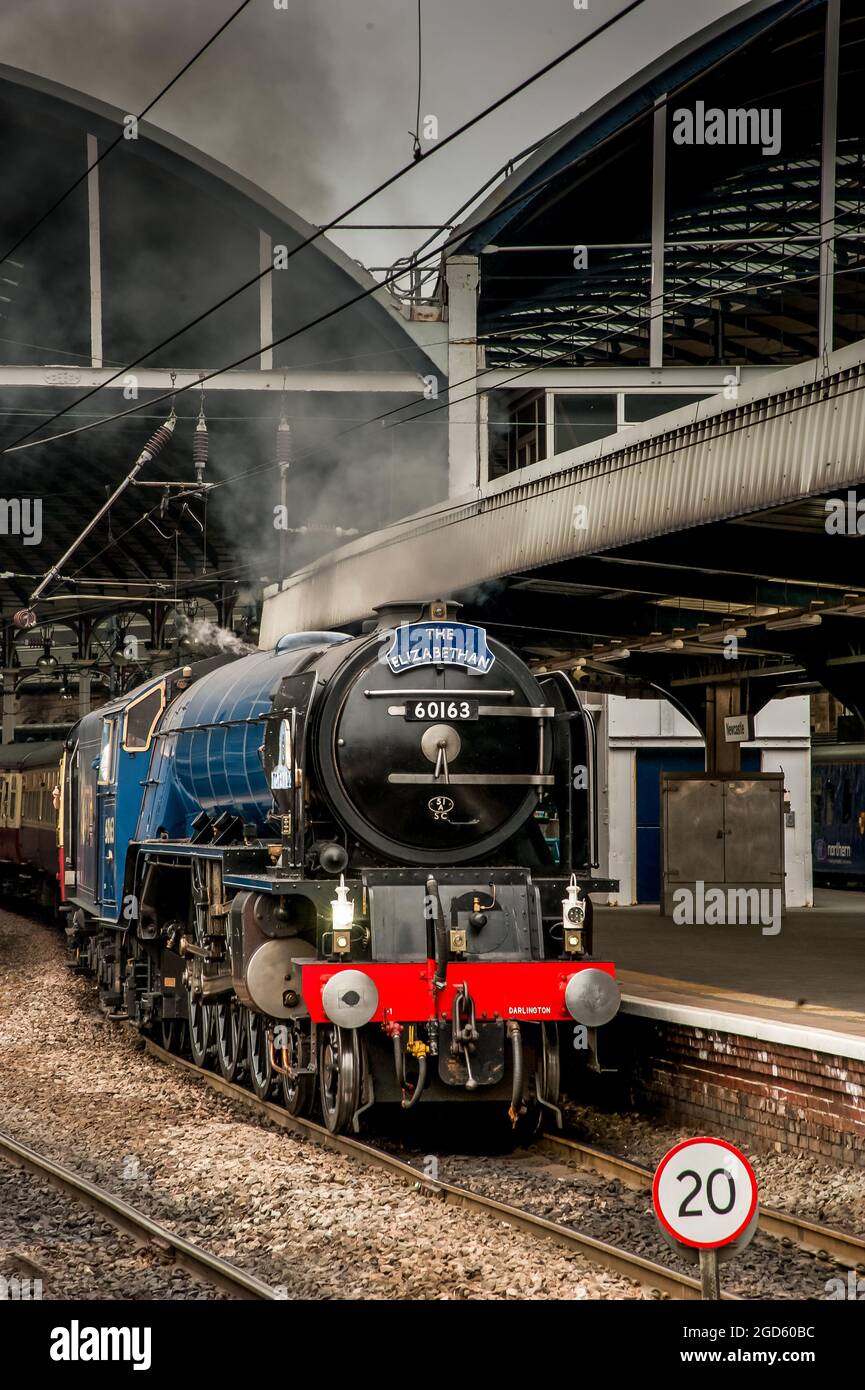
[578, 243]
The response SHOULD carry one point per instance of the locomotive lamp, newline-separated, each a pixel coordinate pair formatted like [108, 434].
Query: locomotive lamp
[573, 917]
[342, 912]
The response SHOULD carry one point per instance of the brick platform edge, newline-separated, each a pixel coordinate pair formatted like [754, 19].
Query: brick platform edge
[773, 1096]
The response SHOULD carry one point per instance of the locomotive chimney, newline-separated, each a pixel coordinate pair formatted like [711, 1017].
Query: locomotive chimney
[398, 611]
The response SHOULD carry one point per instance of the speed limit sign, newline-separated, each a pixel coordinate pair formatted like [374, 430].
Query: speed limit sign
[705, 1193]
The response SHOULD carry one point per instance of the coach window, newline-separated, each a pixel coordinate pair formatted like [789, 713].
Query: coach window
[140, 719]
[846, 798]
[12, 807]
[106, 753]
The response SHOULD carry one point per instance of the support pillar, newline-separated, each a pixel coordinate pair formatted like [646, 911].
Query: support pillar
[265, 302]
[659, 186]
[465, 360]
[9, 706]
[83, 694]
[722, 701]
[828, 174]
[95, 252]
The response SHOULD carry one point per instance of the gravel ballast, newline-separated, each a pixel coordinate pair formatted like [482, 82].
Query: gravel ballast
[308, 1221]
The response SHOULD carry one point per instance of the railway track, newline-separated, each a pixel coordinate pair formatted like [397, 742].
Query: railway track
[810, 1236]
[624, 1262]
[201, 1264]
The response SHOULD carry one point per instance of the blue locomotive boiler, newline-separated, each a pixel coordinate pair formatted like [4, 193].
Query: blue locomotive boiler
[323, 868]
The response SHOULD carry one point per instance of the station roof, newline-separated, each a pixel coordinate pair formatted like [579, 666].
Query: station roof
[177, 233]
[713, 519]
[741, 225]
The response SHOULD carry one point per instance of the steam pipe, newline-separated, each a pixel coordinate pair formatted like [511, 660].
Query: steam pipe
[402, 1080]
[398, 1062]
[517, 1091]
[283, 1070]
[419, 1085]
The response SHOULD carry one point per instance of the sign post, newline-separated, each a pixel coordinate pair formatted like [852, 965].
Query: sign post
[705, 1199]
[710, 1274]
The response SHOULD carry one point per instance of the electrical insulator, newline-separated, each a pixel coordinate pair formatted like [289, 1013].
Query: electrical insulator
[157, 442]
[199, 449]
[283, 445]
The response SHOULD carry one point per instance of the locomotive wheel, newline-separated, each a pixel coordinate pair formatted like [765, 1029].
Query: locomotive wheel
[339, 1070]
[174, 1034]
[230, 1039]
[200, 1030]
[258, 1049]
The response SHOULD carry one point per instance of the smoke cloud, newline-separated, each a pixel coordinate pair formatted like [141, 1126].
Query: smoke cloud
[207, 637]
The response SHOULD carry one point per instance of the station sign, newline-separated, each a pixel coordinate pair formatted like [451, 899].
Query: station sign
[738, 728]
[440, 644]
[705, 1193]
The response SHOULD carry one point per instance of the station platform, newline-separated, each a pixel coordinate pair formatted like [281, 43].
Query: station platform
[811, 976]
[764, 1036]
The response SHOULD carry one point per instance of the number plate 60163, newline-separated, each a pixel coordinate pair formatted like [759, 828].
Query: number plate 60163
[446, 708]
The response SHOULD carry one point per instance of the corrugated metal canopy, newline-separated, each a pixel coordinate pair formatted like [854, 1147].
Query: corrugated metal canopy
[797, 436]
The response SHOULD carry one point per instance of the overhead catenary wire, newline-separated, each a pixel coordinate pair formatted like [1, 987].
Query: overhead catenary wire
[375, 419]
[418, 148]
[114, 143]
[131, 410]
[515, 376]
[27, 443]
[661, 103]
[527, 371]
[457, 236]
[347, 212]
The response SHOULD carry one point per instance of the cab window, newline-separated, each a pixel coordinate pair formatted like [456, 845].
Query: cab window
[140, 719]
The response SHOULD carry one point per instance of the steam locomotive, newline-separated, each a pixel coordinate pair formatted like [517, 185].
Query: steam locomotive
[323, 868]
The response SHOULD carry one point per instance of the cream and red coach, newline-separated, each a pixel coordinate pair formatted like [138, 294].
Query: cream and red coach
[30, 868]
